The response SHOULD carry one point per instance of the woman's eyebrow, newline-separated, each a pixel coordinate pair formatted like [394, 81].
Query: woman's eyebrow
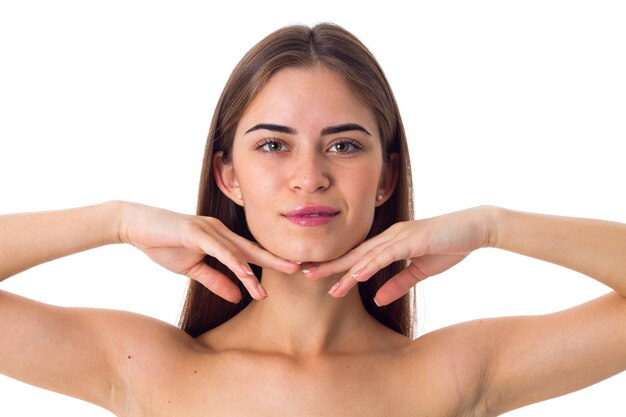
[346, 127]
[273, 128]
[331, 130]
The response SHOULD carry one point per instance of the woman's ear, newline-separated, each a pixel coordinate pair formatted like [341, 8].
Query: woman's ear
[388, 179]
[224, 173]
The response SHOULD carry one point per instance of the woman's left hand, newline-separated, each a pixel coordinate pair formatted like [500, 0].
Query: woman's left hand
[432, 245]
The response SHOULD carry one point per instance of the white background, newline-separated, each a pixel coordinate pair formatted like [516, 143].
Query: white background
[516, 104]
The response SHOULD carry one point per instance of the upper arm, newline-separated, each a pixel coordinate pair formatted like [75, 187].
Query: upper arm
[531, 359]
[83, 353]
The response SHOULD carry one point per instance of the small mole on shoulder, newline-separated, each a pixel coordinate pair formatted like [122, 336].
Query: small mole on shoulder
[129, 356]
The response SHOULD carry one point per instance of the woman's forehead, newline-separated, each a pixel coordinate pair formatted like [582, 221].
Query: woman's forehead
[307, 98]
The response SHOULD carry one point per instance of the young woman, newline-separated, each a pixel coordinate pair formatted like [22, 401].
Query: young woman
[306, 194]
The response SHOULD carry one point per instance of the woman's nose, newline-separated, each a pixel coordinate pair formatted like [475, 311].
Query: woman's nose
[309, 174]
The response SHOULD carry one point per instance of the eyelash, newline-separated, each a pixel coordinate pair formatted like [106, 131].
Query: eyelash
[268, 141]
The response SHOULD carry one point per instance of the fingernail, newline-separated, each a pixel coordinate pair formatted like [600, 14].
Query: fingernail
[246, 269]
[376, 302]
[310, 268]
[334, 288]
[261, 290]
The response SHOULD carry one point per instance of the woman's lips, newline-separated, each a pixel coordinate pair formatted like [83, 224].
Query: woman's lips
[310, 216]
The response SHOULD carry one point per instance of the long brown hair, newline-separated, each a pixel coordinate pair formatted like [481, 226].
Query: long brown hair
[301, 46]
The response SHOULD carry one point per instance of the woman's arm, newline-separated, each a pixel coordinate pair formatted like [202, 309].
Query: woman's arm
[595, 248]
[61, 349]
[175, 241]
[102, 355]
[521, 360]
[530, 359]
[29, 239]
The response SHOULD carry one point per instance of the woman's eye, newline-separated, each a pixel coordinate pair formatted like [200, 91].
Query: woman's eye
[345, 147]
[275, 146]
[270, 145]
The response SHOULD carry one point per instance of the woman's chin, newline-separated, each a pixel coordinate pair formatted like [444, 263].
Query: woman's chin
[308, 254]
[307, 250]
[309, 257]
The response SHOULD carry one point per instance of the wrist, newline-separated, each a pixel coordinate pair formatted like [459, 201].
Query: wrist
[492, 217]
[113, 221]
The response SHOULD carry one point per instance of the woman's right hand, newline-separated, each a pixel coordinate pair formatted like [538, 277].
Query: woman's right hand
[179, 243]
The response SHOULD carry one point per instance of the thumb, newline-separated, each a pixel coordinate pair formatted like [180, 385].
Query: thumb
[215, 282]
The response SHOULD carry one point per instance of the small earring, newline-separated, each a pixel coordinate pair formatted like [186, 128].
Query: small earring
[239, 196]
[379, 197]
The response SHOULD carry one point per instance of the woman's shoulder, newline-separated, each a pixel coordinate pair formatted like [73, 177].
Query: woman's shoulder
[145, 351]
[451, 360]
[179, 375]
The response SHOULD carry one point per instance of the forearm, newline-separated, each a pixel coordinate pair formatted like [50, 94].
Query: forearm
[595, 248]
[29, 239]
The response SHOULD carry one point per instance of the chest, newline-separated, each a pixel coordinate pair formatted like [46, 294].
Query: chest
[236, 385]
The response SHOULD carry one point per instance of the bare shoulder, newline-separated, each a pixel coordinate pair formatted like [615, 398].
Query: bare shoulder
[98, 355]
[444, 370]
[500, 364]
[144, 353]
[535, 358]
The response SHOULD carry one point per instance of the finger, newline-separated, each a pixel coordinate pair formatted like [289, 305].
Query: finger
[345, 262]
[252, 252]
[399, 284]
[259, 256]
[255, 253]
[375, 260]
[215, 282]
[229, 255]
[316, 271]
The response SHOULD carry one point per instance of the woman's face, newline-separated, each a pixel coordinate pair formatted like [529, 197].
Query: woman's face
[307, 161]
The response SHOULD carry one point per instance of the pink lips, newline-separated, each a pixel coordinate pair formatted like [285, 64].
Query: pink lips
[311, 215]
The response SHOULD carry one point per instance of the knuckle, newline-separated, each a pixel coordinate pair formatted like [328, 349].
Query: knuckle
[377, 262]
[232, 260]
[223, 252]
[400, 227]
[210, 223]
[251, 247]
[403, 251]
[249, 282]
[414, 272]
[205, 276]
[193, 271]
[211, 281]
[404, 284]
[211, 220]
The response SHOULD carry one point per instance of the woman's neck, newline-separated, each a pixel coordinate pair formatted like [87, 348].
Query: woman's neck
[299, 318]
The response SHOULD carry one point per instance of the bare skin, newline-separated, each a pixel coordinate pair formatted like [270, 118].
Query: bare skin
[138, 366]
[296, 350]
